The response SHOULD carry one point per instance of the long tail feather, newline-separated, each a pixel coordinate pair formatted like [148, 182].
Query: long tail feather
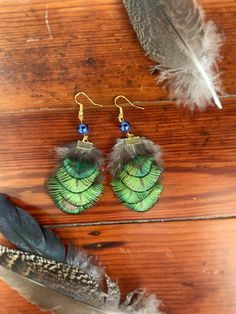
[174, 34]
[73, 284]
[48, 300]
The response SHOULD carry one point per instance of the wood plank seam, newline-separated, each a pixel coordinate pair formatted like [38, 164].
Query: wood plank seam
[140, 221]
[108, 106]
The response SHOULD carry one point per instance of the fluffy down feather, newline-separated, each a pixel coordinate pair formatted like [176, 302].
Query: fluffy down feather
[71, 150]
[122, 153]
[174, 34]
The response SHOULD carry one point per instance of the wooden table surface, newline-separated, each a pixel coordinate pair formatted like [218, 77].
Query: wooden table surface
[184, 249]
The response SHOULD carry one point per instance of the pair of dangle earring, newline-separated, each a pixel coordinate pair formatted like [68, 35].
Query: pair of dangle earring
[134, 163]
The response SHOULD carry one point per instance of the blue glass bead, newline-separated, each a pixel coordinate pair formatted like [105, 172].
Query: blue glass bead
[83, 128]
[125, 126]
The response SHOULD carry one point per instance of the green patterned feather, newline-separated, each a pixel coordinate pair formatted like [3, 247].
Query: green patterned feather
[139, 166]
[137, 184]
[124, 193]
[74, 186]
[79, 170]
[147, 202]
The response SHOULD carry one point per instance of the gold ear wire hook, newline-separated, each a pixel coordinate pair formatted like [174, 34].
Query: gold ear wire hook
[81, 106]
[121, 113]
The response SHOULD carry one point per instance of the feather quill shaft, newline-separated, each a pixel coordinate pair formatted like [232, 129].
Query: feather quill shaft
[174, 34]
[197, 63]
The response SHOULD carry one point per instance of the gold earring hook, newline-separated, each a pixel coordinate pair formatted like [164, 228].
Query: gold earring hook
[81, 106]
[121, 113]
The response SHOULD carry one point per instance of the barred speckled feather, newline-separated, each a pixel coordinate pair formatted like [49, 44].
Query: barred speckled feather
[66, 289]
[75, 282]
[136, 173]
[72, 284]
[75, 185]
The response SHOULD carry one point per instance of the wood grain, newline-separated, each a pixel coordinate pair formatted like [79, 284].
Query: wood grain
[50, 50]
[199, 159]
[189, 265]
[11, 302]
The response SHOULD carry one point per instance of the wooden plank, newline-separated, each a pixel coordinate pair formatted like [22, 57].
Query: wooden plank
[199, 159]
[50, 51]
[189, 265]
[11, 302]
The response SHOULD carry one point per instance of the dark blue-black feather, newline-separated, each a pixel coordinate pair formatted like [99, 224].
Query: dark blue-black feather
[25, 232]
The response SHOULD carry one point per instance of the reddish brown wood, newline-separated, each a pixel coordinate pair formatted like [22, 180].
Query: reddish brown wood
[189, 265]
[90, 46]
[199, 159]
[49, 51]
[12, 303]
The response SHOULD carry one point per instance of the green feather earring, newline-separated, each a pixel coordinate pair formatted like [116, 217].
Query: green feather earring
[135, 166]
[76, 182]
